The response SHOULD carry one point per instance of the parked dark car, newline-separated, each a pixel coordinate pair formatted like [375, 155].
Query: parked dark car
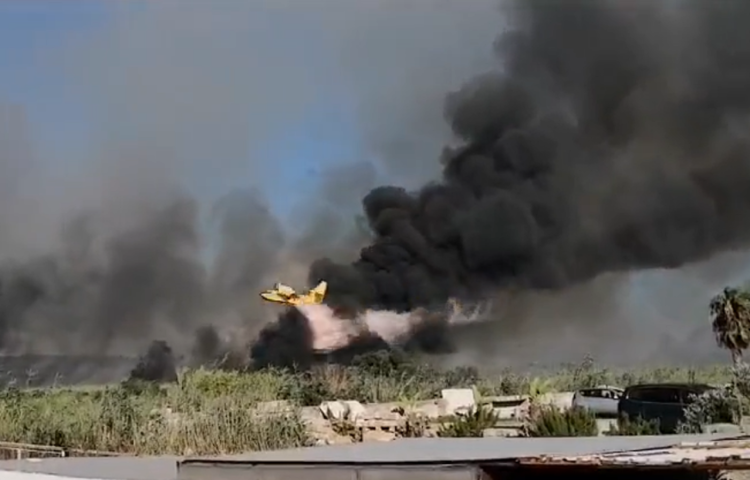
[664, 402]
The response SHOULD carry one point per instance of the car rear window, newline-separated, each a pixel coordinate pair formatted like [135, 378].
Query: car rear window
[665, 394]
[600, 393]
[655, 394]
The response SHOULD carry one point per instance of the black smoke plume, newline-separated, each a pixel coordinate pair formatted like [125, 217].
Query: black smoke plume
[223, 100]
[113, 290]
[613, 137]
[157, 364]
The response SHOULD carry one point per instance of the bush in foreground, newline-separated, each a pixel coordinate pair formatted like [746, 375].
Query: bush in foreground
[211, 410]
[172, 421]
[553, 422]
[634, 426]
[727, 404]
[471, 424]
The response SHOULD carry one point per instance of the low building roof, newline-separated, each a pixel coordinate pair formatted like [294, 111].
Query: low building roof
[460, 450]
[114, 468]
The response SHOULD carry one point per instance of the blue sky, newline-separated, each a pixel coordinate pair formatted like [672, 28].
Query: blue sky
[60, 127]
[356, 76]
[28, 29]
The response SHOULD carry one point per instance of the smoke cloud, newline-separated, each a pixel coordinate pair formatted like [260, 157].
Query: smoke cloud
[612, 138]
[594, 140]
[623, 171]
[207, 133]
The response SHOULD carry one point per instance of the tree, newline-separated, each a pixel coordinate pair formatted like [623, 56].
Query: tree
[730, 312]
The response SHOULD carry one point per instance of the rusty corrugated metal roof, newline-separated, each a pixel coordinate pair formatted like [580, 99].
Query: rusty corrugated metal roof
[720, 454]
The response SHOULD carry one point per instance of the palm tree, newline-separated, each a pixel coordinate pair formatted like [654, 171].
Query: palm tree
[730, 312]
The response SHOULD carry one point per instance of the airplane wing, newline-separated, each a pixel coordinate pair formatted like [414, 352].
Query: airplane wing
[285, 290]
[279, 296]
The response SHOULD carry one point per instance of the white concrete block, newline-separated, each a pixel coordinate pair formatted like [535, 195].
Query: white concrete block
[458, 399]
[335, 410]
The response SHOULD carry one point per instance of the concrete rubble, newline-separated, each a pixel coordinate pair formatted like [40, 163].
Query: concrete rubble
[387, 421]
[458, 399]
[560, 400]
[347, 421]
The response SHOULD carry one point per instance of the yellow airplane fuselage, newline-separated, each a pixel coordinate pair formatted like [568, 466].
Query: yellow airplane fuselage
[287, 296]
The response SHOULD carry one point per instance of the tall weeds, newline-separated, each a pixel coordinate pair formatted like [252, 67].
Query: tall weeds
[211, 412]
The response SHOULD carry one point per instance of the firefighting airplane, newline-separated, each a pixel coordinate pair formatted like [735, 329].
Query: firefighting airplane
[286, 295]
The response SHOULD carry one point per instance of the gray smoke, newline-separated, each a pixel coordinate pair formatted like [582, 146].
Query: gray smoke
[612, 139]
[604, 138]
[161, 226]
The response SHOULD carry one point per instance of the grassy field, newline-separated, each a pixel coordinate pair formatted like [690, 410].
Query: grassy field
[215, 406]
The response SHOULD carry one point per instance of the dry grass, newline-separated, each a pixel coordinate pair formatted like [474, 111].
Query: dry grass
[183, 419]
[210, 412]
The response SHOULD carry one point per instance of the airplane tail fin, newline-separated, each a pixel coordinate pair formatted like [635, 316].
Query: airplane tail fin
[319, 292]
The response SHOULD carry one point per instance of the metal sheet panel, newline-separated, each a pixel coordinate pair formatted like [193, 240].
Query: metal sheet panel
[458, 450]
[114, 468]
[4, 475]
[419, 473]
[264, 472]
[332, 472]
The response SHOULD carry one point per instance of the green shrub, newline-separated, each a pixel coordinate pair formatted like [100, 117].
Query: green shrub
[553, 422]
[721, 405]
[414, 427]
[178, 419]
[632, 427]
[209, 411]
[471, 424]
